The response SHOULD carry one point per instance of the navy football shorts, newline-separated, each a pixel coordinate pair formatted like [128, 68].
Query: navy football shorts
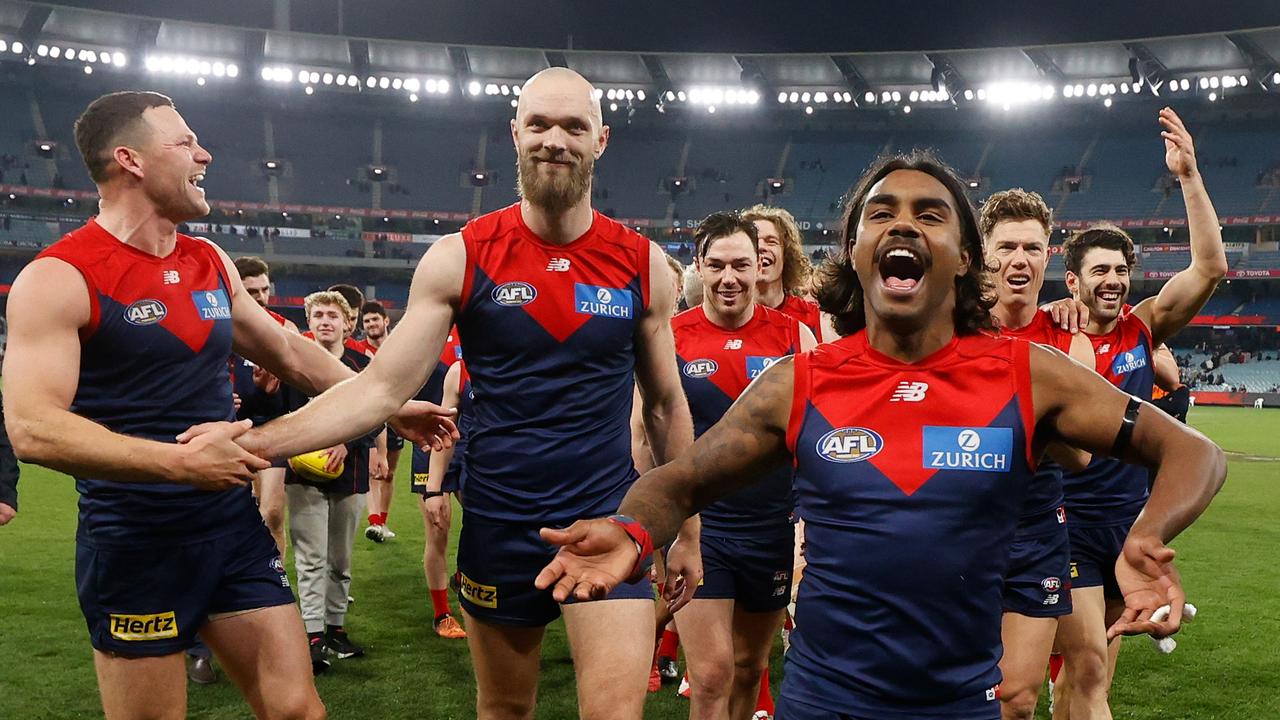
[394, 441]
[790, 708]
[420, 465]
[1094, 551]
[755, 572]
[497, 563]
[151, 600]
[1037, 583]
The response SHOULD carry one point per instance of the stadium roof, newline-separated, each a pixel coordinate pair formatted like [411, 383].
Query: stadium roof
[1249, 55]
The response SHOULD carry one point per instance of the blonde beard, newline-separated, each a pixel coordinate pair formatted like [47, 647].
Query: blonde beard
[552, 195]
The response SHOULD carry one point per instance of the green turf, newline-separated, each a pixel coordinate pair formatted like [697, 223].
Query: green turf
[1222, 668]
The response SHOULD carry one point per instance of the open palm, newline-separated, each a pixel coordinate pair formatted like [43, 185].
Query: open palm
[1148, 580]
[1179, 150]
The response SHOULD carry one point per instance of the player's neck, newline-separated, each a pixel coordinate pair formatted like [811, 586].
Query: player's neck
[334, 348]
[558, 228]
[726, 320]
[373, 342]
[910, 345]
[131, 219]
[1097, 327]
[771, 295]
[1015, 314]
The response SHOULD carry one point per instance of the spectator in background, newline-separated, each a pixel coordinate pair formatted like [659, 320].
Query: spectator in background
[8, 476]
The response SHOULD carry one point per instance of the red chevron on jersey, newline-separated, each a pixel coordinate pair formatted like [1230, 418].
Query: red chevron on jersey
[560, 286]
[153, 290]
[806, 311]
[967, 383]
[731, 359]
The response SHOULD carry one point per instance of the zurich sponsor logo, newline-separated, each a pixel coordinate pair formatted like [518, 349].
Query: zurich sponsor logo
[608, 302]
[982, 449]
[514, 294]
[757, 364]
[701, 368]
[1129, 360]
[145, 312]
[850, 445]
[212, 304]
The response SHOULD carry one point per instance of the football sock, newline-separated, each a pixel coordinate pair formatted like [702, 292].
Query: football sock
[440, 602]
[670, 641]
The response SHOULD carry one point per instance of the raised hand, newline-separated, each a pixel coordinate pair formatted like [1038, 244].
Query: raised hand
[595, 557]
[1148, 580]
[426, 425]
[210, 459]
[1179, 150]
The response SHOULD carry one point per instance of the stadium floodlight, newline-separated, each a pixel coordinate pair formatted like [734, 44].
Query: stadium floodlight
[268, 74]
[118, 59]
[233, 70]
[474, 87]
[413, 97]
[396, 84]
[200, 82]
[631, 94]
[886, 96]
[1214, 82]
[16, 47]
[1106, 103]
[782, 97]
[613, 106]
[611, 94]
[353, 81]
[371, 81]
[1204, 83]
[1244, 80]
[1124, 88]
[914, 96]
[491, 89]
[42, 50]
[711, 109]
[906, 109]
[1091, 90]
[681, 96]
[805, 97]
[88, 69]
[384, 82]
[4, 46]
[794, 97]
[309, 90]
[55, 52]
[442, 87]
[1213, 97]
[515, 103]
[897, 96]
[327, 78]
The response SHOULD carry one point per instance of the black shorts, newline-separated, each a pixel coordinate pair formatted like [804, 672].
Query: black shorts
[1037, 583]
[497, 563]
[420, 465]
[755, 573]
[152, 599]
[1094, 551]
[394, 441]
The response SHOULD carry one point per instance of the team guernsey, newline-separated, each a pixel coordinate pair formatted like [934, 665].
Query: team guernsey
[433, 391]
[153, 560]
[1038, 583]
[549, 336]
[911, 479]
[806, 311]
[1105, 498]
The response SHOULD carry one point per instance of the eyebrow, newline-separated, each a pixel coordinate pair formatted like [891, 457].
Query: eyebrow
[570, 120]
[925, 203]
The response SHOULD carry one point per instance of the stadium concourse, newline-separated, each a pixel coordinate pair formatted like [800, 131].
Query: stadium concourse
[346, 147]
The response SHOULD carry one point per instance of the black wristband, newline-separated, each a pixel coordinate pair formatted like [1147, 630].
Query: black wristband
[432, 493]
[1126, 426]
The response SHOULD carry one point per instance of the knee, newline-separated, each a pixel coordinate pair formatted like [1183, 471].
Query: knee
[503, 707]
[712, 680]
[747, 670]
[298, 706]
[1019, 704]
[1088, 671]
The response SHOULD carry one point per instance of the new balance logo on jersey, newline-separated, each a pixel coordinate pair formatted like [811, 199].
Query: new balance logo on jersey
[1104, 348]
[170, 277]
[733, 344]
[909, 392]
[558, 265]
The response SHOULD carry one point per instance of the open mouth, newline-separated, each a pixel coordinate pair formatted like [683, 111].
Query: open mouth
[1110, 296]
[766, 260]
[901, 269]
[1017, 281]
[195, 180]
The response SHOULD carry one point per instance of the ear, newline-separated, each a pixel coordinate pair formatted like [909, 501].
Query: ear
[603, 142]
[128, 159]
[1073, 284]
[964, 263]
[515, 140]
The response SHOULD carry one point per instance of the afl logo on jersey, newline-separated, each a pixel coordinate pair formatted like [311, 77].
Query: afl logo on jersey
[700, 368]
[145, 312]
[850, 445]
[514, 294]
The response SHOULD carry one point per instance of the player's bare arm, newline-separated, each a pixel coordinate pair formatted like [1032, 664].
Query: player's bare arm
[807, 340]
[1166, 369]
[1081, 408]
[48, 307]
[356, 406]
[439, 507]
[748, 441]
[1185, 293]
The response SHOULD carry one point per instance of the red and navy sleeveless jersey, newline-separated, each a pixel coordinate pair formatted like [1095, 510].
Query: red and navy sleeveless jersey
[1108, 491]
[806, 311]
[276, 316]
[716, 365]
[549, 338]
[465, 397]
[433, 390]
[355, 472]
[153, 362]
[910, 478]
[1045, 493]
[255, 405]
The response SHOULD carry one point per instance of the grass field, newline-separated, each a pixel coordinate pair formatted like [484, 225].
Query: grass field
[1224, 666]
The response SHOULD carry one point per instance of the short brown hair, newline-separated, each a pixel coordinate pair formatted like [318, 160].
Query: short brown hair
[251, 266]
[373, 307]
[326, 297]
[1107, 237]
[721, 225]
[1012, 205]
[795, 264]
[351, 294]
[103, 124]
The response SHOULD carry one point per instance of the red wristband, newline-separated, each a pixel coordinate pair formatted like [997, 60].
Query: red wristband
[644, 544]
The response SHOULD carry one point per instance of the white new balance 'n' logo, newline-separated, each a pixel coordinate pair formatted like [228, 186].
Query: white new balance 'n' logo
[1104, 348]
[558, 265]
[909, 392]
[733, 344]
[170, 277]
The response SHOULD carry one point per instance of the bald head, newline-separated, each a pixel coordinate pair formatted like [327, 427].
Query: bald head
[563, 89]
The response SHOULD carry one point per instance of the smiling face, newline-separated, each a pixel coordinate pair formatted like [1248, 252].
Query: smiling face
[326, 322]
[729, 270]
[771, 252]
[259, 288]
[558, 134]
[907, 251]
[170, 164]
[375, 325]
[1019, 253]
[1102, 283]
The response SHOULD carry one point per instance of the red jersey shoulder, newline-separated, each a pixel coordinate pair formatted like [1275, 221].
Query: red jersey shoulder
[687, 318]
[282, 320]
[493, 225]
[984, 345]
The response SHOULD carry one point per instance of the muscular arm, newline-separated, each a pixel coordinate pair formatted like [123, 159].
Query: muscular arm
[1166, 369]
[1084, 410]
[48, 305]
[1185, 293]
[749, 441]
[355, 406]
[667, 422]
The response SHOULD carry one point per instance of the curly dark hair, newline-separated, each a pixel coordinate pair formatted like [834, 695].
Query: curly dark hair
[836, 284]
[1107, 237]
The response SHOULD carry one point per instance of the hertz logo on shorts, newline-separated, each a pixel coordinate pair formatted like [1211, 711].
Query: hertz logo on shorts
[144, 627]
[477, 594]
[419, 479]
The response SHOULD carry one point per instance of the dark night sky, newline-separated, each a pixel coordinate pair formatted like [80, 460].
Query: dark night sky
[718, 26]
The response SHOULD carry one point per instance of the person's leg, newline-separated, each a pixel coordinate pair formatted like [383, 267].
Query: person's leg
[141, 688]
[1082, 638]
[612, 644]
[268, 486]
[1027, 643]
[264, 652]
[505, 659]
[708, 656]
[309, 533]
[344, 518]
[753, 634]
